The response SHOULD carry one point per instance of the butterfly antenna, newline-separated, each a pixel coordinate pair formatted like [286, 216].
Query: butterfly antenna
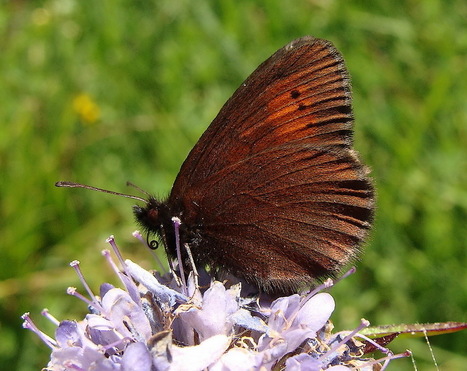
[78, 185]
[138, 188]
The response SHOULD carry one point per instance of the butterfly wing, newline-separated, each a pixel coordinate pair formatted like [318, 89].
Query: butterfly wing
[273, 191]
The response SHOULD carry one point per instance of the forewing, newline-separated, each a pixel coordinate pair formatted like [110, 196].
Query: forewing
[301, 94]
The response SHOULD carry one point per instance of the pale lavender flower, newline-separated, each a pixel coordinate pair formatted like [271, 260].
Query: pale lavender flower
[156, 324]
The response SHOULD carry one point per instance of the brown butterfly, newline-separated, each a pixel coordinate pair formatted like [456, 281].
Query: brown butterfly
[273, 191]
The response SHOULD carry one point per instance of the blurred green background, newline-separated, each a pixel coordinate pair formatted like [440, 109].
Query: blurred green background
[108, 91]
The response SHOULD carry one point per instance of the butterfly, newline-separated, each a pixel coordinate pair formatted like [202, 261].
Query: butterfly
[273, 191]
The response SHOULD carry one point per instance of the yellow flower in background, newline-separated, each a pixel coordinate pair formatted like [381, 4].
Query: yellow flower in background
[86, 108]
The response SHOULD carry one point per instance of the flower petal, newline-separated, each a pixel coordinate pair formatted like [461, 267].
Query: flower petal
[200, 356]
[316, 311]
[123, 312]
[303, 362]
[162, 293]
[136, 358]
[236, 359]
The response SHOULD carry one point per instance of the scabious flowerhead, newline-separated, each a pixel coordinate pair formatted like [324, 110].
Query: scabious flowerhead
[155, 323]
